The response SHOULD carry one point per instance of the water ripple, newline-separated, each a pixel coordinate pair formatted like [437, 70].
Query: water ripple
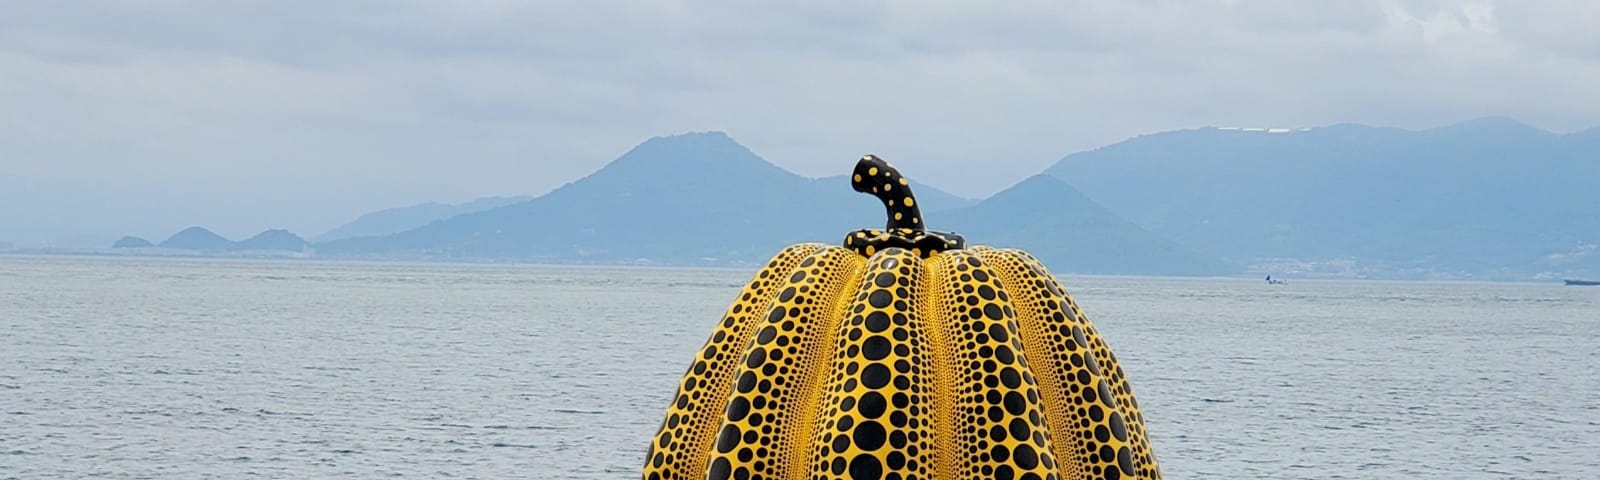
[194, 368]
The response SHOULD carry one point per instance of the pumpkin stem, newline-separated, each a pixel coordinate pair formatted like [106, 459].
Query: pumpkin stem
[905, 229]
[879, 178]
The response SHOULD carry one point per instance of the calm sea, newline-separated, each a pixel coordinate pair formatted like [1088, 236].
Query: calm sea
[175, 368]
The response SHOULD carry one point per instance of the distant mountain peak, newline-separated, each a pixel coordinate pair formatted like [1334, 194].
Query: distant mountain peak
[1493, 123]
[1033, 187]
[698, 154]
[1057, 223]
[1040, 194]
[195, 230]
[196, 238]
[275, 233]
[700, 135]
[1042, 181]
[275, 239]
[689, 141]
[131, 241]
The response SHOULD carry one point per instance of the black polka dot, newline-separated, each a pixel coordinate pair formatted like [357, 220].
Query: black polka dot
[877, 321]
[747, 382]
[895, 460]
[738, 408]
[1004, 472]
[875, 376]
[875, 348]
[999, 453]
[1020, 430]
[1004, 354]
[728, 439]
[1119, 427]
[869, 435]
[998, 332]
[1010, 378]
[872, 405]
[719, 470]
[865, 467]
[1025, 456]
[1105, 394]
[1014, 403]
[880, 298]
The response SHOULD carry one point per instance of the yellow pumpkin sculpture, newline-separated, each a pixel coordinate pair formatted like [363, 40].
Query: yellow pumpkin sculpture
[902, 355]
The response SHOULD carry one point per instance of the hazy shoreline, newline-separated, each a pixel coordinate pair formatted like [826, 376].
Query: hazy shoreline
[443, 262]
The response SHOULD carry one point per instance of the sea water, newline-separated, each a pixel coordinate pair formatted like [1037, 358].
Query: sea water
[192, 368]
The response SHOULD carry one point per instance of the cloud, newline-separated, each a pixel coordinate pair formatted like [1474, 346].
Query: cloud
[303, 114]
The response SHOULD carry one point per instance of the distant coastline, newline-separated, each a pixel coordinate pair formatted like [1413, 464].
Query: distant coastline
[649, 265]
[1355, 202]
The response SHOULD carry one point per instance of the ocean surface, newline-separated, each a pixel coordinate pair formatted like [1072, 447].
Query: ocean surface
[192, 368]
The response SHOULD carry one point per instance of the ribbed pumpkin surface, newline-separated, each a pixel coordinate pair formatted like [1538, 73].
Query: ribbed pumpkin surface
[966, 364]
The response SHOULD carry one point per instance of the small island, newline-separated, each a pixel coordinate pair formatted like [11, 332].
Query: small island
[196, 238]
[276, 239]
[201, 241]
[131, 241]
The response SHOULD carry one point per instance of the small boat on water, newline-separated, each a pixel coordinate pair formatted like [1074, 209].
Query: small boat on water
[1582, 283]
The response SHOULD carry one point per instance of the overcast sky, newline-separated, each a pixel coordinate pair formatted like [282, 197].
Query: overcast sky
[147, 116]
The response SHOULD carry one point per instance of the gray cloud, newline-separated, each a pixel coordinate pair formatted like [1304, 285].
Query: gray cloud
[248, 115]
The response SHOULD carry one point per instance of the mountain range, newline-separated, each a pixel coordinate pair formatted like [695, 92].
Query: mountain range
[1484, 199]
[1488, 198]
[703, 198]
[1068, 231]
[399, 219]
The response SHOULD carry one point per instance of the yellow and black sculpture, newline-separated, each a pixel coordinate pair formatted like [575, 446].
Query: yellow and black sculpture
[902, 355]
